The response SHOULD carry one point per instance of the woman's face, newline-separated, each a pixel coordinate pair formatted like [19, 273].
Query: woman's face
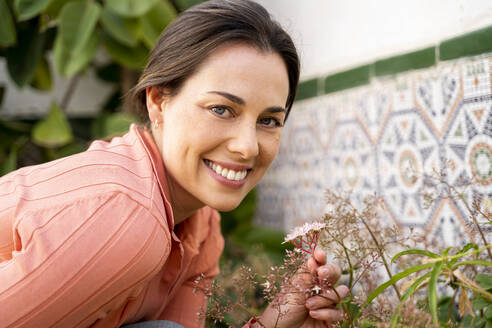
[221, 132]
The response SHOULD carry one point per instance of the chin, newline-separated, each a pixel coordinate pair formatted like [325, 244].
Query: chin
[225, 206]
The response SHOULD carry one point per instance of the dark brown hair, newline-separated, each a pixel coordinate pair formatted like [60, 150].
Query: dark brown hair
[198, 31]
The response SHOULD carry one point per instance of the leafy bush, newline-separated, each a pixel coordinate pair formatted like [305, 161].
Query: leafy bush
[40, 39]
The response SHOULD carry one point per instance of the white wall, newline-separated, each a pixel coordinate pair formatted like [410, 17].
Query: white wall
[335, 35]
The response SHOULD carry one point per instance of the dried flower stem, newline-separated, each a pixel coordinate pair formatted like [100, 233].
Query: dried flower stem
[244, 309]
[347, 256]
[473, 216]
[344, 307]
[381, 253]
[452, 189]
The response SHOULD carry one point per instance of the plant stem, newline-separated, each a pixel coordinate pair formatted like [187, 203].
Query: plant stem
[242, 307]
[344, 308]
[451, 304]
[467, 283]
[473, 216]
[345, 250]
[69, 92]
[381, 253]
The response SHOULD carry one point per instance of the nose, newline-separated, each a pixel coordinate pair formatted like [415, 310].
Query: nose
[244, 141]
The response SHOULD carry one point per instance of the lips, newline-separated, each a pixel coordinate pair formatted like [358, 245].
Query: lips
[227, 173]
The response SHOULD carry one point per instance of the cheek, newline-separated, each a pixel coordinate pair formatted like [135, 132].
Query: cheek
[269, 149]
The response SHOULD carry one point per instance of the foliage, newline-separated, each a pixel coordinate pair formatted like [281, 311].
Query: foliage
[46, 38]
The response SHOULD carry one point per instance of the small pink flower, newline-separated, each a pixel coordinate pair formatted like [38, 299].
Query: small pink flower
[306, 236]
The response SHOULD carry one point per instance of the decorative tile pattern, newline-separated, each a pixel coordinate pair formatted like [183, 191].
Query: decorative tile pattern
[383, 139]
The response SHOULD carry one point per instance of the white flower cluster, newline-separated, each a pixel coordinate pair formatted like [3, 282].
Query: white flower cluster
[303, 230]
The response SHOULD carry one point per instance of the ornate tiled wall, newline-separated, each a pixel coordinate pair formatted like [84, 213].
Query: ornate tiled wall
[380, 138]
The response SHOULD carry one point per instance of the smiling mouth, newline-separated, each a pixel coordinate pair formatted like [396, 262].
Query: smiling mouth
[229, 174]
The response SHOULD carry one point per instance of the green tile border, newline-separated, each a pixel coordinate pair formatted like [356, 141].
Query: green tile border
[474, 43]
[352, 78]
[470, 44]
[414, 60]
[307, 89]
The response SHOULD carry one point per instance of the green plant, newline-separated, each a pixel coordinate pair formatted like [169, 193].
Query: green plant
[41, 39]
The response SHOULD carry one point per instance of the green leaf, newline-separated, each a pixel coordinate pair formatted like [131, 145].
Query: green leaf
[185, 4]
[409, 292]
[125, 30]
[488, 313]
[446, 251]
[479, 303]
[54, 130]
[472, 262]
[484, 280]
[108, 125]
[436, 271]
[77, 22]
[468, 247]
[470, 321]
[155, 20]
[54, 8]
[396, 278]
[11, 163]
[417, 252]
[7, 29]
[465, 249]
[70, 149]
[69, 62]
[42, 76]
[130, 8]
[132, 57]
[27, 9]
[23, 59]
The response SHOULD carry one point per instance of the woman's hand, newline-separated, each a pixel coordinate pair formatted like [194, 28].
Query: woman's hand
[312, 300]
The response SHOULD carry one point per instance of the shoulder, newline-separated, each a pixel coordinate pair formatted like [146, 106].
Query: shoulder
[121, 165]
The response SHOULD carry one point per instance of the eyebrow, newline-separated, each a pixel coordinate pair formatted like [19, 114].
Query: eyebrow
[240, 101]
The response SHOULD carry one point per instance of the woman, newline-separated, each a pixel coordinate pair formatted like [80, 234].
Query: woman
[118, 234]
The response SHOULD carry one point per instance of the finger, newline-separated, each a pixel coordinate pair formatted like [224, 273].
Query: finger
[320, 256]
[326, 314]
[329, 273]
[327, 298]
[312, 264]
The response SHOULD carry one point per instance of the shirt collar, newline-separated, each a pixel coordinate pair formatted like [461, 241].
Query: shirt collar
[190, 228]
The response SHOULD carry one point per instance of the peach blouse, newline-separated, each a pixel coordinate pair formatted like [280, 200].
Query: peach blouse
[88, 241]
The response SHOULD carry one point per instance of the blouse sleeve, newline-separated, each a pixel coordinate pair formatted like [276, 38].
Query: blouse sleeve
[76, 264]
[189, 305]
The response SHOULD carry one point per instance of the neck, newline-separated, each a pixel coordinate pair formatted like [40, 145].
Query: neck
[183, 204]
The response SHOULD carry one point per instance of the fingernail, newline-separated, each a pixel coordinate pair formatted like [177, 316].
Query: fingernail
[309, 303]
[314, 313]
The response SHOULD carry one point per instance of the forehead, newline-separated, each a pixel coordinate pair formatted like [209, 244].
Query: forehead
[245, 71]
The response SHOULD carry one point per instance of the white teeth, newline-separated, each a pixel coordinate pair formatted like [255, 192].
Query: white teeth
[235, 176]
[226, 173]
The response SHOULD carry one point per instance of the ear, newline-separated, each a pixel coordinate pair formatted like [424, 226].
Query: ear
[155, 100]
